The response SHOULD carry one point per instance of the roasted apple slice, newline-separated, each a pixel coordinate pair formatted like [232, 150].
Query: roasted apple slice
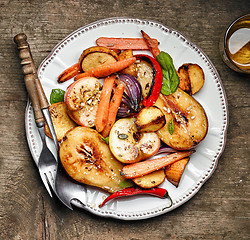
[150, 180]
[81, 92]
[130, 146]
[82, 98]
[150, 119]
[87, 159]
[61, 121]
[175, 170]
[96, 56]
[186, 121]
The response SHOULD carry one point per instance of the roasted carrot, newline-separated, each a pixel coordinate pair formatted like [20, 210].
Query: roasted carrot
[69, 73]
[153, 48]
[108, 69]
[142, 168]
[103, 107]
[113, 109]
[123, 43]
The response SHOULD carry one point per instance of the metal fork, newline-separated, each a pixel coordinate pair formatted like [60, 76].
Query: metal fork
[51, 171]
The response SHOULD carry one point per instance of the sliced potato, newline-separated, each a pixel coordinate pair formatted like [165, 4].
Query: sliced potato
[184, 84]
[144, 75]
[150, 119]
[96, 56]
[185, 117]
[191, 78]
[61, 121]
[132, 68]
[175, 170]
[87, 159]
[150, 180]
[130, 146]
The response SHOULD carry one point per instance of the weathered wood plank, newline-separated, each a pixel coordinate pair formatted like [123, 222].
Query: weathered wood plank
[220, 210]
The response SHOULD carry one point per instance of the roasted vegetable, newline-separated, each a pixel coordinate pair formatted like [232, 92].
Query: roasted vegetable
[156, 81]
[150, 119]
[96, 56]
[175, 170]
[131, 97]
[131, 69]
[150, 180]
[61, 121]
[189, 119]
[87, 159]
[69, 73]
[123, 43]
[143, 168]
[144, 75]
[105, 70]
[191, 78]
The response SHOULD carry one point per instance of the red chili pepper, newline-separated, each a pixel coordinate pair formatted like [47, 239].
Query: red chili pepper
[131, 191]
[155, 87]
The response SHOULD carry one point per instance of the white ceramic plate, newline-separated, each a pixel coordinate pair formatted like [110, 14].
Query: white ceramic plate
[212, 97]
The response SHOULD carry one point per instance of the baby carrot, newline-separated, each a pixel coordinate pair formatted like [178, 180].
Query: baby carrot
[153, 48]
[103, 107]
[142, 168]
[107, 69]
[69, 73]
[113, 109]
[123, 43]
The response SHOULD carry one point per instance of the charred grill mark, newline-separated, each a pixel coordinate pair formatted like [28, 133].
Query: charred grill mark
[184, 117]
[137, 136]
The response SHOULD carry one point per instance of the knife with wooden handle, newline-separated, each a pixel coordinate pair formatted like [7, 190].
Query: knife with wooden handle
[30, 68]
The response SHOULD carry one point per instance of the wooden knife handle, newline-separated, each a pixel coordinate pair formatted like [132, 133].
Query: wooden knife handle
[28, 66]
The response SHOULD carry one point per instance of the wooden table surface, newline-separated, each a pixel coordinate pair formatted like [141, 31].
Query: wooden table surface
[220, 210]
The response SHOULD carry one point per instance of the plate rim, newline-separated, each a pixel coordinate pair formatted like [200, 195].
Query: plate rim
[223, 132]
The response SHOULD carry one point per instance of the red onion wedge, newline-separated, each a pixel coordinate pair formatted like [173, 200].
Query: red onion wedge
[132, 96]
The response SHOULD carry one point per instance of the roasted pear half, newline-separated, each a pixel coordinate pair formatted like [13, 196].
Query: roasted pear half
[186, 120]
[87, 159]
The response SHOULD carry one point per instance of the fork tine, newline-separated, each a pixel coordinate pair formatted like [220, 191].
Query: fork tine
[46, 182]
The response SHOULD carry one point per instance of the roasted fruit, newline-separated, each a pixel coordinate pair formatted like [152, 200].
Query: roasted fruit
[186, 121]
[61, 121]
[96, 56]
[150, 180]
[175, 170]
[130, 146]
[87, 159]
[150, 119]
[82, 92]
[191, 78]
[82, 98]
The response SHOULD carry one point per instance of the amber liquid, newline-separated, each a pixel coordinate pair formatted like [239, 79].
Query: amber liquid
[238, 47]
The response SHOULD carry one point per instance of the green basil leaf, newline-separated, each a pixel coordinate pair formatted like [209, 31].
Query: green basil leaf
[170, 80]
[57, 95]
[171, 126]
[126, 183]
[106, 139]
